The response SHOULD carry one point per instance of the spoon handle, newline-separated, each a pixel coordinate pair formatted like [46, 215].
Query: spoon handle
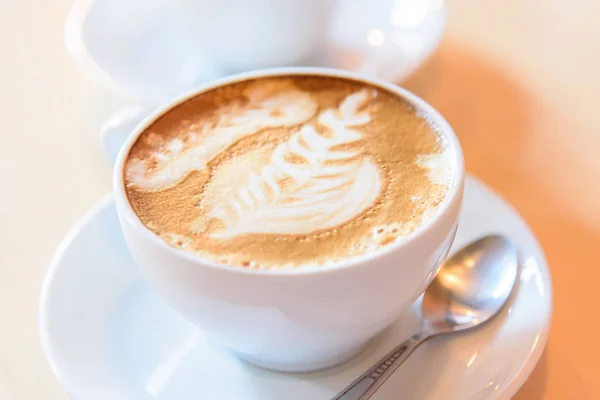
[367, 384]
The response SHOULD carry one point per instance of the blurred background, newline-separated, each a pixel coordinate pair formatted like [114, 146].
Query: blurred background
[518, 81]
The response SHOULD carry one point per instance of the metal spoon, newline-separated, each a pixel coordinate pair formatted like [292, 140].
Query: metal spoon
[470, 288]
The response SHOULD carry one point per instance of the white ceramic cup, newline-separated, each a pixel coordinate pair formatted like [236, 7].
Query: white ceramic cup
[295, 319]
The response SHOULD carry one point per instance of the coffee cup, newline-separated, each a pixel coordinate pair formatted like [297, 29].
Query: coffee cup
[293, 318]
[152, 50]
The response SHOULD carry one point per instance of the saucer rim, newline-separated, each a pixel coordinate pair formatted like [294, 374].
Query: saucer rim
[55, 262]
[509, 389]
[520, 377]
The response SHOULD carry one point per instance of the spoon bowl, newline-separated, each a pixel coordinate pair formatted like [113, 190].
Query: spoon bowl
[472, 286]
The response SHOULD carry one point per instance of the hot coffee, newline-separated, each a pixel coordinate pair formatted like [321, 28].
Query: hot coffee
[288, 171]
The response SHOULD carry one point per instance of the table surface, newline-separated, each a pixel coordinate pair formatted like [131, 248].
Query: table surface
[517, 79]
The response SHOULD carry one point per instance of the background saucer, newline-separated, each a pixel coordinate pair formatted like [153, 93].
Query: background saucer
[107, 335]
[139, 48]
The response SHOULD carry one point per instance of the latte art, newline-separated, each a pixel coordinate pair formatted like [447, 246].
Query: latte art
[286, 172]
[299, 191]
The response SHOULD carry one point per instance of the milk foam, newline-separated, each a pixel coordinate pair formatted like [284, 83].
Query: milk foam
[441, 168]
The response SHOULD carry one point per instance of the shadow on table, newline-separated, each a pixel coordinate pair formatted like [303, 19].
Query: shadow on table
[536, 156]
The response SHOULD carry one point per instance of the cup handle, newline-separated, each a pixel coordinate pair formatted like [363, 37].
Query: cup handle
[116, 129]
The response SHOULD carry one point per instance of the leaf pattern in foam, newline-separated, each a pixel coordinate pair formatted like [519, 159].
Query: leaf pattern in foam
[327, 188]
[269, 106]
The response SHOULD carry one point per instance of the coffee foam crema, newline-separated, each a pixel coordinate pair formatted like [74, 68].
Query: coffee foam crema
[285, 172]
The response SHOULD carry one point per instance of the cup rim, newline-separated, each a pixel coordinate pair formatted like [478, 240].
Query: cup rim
[126, 211]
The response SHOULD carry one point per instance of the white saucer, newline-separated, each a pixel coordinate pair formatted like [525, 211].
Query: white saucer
[107, 335]
[139, 48]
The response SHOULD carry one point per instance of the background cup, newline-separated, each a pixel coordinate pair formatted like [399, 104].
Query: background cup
[302, 319]
[153, 50]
